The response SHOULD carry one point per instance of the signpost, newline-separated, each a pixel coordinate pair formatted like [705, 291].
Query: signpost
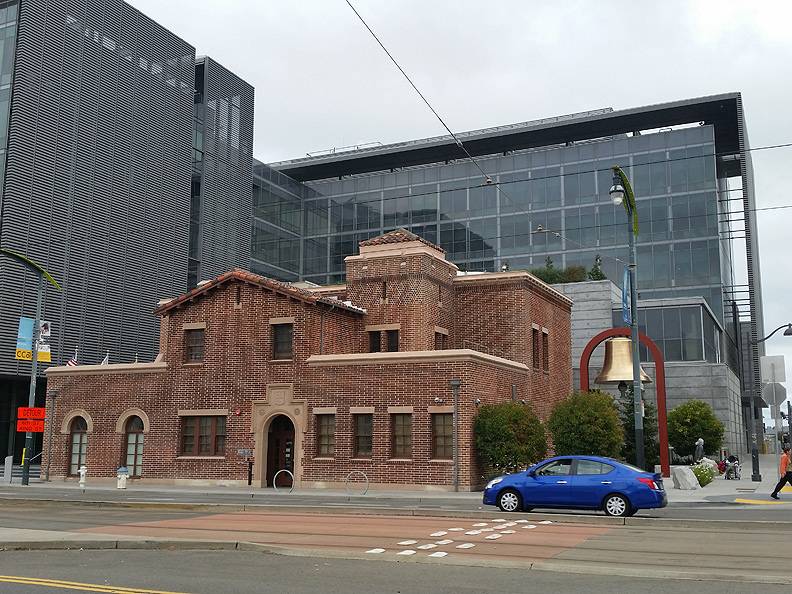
[27, 412]
[24, 344]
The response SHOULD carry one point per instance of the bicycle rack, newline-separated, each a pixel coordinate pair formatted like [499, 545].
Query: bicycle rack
[275, 479]
[349, 476]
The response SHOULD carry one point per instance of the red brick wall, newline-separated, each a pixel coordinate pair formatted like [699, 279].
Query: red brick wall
[237, 369]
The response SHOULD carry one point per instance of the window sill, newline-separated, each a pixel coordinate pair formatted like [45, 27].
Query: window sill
[281, 360]
[324, 459]
[200, 457]
[440, 461]
[361, 460]
[400, 459]
[193, 364]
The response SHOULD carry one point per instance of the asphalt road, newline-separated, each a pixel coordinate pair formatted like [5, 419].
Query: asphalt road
[199, 572]
[717, 508]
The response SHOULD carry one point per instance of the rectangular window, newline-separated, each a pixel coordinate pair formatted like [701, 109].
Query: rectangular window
[535, 348]
[194, 346]
[203, 436]
[401, 436]
[363, 429]
[545, 352]
[443, 436]
[374, 342]
[393, 340]
[325, 435]
[282, 343]
[440, 341]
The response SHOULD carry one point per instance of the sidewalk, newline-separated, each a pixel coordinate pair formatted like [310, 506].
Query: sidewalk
[720, 488]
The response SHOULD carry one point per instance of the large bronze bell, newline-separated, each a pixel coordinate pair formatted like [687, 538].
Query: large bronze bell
[618, 363]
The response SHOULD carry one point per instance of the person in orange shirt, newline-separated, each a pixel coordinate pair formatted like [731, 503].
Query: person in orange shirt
[785, 470]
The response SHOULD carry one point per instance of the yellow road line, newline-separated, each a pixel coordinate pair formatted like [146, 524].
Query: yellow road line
[33, 581]
[760, 502]
[786, 490]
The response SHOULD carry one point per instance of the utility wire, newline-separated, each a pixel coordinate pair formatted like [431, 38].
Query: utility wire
[421, 95]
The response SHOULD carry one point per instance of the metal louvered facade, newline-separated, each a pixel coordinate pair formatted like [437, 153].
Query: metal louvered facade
[222, 187]
[97, 180]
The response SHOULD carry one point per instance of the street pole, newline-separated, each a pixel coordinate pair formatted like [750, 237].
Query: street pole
[640, 461]
[455, 383]
[27, 453]
[622, 193]
[52, 418]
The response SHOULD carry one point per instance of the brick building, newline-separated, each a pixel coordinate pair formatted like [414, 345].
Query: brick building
[321, 381]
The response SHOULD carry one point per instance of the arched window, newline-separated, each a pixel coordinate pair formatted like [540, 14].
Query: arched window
[134, 446]
[78, 444]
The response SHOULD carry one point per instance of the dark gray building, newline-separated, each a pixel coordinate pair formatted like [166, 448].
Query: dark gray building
[221, 208]
[103, 143]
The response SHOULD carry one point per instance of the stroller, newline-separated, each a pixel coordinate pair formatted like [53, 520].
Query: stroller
[732, 469]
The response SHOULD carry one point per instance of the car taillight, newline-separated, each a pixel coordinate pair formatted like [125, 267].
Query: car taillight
[648, 482]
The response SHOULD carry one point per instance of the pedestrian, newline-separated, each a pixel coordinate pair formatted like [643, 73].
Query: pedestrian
[785, 470]
[699, 453]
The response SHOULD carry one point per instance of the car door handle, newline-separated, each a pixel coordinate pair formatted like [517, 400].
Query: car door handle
[561, 482]
[606, 482]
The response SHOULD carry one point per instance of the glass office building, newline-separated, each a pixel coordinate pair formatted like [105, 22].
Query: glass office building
[560, 190]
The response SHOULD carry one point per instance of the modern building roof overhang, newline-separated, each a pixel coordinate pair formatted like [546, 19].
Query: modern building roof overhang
[721, 111]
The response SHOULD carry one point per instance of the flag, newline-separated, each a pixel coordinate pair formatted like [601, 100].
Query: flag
[106, 359]
[73, 361]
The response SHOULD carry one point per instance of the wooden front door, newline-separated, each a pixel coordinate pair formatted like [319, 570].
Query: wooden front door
[280, 450]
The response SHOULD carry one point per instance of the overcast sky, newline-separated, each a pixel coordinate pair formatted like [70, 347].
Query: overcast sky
[322, 82]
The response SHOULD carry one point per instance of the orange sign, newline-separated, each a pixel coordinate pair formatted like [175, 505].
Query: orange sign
[25, 426]
[25, 412]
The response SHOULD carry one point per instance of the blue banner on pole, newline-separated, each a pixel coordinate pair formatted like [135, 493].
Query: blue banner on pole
[626, 288]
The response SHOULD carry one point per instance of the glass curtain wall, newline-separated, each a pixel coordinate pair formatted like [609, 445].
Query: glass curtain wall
[563, 189]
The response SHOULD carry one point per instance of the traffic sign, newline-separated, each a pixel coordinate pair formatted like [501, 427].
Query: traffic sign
[774, 394]
[25, 426]
[26, 412]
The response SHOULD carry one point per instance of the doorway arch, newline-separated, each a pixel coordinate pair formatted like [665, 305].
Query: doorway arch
[279, 434]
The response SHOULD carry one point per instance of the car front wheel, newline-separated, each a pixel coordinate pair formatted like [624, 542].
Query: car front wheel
[509, 501]
[616, 505]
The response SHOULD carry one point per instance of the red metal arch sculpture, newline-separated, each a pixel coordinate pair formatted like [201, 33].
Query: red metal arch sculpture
[660, 389]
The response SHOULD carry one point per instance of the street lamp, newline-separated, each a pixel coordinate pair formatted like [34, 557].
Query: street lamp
[621, 193]
[41, 274]
[756, 475]
[787, 332]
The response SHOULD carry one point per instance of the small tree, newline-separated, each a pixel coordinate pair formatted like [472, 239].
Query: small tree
[596, 273]
[573, 274]
[549, 273]
[651, 436]
[691, 420]
[509, 437]
[587, 423]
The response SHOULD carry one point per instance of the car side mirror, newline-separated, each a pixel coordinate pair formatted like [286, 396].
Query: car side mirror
[532, 472]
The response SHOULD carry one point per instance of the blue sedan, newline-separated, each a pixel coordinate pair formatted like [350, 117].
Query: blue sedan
[579, 482]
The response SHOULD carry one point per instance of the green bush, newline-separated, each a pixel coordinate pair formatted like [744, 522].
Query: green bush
[704, 473]
[586, 423]
[509, 437]
[688, 422]
[573, 274]
[651, 436]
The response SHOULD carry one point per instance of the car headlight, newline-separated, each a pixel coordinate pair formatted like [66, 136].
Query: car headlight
[494, 482]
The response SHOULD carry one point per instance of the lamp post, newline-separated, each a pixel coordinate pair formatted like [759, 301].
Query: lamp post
[455, 385]
[621, 193]
[756, 475]
[41, 275]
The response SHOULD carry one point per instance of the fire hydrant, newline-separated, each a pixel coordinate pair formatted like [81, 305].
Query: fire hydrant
[121, 477]
[82, 471]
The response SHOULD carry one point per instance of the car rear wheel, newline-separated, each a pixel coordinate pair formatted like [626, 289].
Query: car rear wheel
[509, 501]
[616, 505]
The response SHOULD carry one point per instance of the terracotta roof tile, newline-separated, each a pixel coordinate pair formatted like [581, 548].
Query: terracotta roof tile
[258, 280]
[398, 236]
